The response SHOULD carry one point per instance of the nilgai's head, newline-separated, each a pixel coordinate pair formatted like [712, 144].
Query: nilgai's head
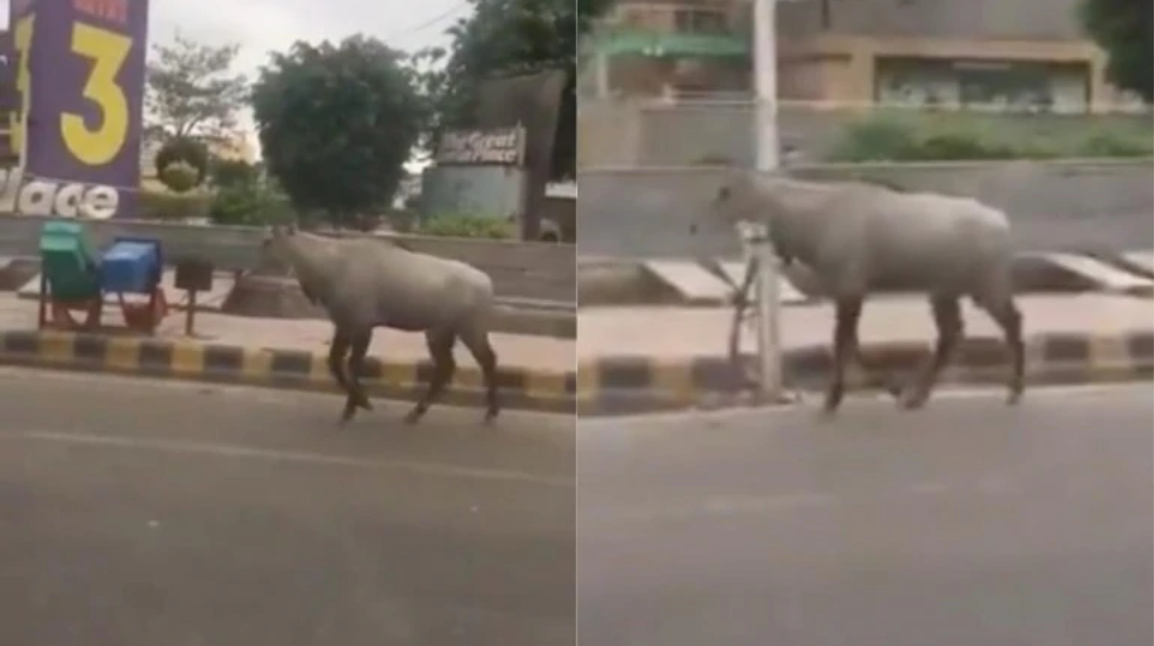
[731, 204]
[277, 244]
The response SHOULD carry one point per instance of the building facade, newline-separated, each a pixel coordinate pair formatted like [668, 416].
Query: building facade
[1023, 54]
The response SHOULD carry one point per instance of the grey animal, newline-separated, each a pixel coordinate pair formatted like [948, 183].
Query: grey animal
[856, 236]
[364, 284]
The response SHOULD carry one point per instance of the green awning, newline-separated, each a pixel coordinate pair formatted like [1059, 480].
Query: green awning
[673, 44]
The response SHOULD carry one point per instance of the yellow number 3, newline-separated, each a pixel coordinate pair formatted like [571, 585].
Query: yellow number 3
[107, 51]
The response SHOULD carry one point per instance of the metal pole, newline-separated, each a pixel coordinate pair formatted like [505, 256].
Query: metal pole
[601, 72]
[768, 305]
[765, 81]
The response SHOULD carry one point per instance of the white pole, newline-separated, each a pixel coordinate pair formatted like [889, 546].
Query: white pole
[768, 303]
[601, 72]
[765, 82]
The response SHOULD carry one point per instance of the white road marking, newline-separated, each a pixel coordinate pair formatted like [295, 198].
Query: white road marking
[231, 451]
[610, 517]
[715, 506]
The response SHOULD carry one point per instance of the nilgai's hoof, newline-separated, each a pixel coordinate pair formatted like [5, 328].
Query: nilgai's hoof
[489, 418]
[413, 417]
[1014, 398]
[831, 403]
[912, 400]
[827, 411]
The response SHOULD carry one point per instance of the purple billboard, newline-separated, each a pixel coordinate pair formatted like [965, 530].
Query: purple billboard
[81, 77]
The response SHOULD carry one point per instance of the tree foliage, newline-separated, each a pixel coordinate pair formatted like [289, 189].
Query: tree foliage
[1125, 30]
[229, 173]
[191, 90]
[180, 177]
[183, 149]
[337, 123]
[506, 38]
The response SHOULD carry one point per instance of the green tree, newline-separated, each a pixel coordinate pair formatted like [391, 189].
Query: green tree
[191, 90]
[505, 38]
[337, 123]
[229, 173]
[1125, 30]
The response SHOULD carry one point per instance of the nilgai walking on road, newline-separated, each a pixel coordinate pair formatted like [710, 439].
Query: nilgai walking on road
[364, 284]
[855, 236]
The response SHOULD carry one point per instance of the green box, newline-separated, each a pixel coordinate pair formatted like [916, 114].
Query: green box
[68, 262]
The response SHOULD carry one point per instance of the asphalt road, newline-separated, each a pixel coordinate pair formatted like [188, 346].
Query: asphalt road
[968, 524]
[141, 513]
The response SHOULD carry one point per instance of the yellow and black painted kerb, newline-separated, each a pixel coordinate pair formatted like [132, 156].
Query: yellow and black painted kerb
[624, 385]
[520, 388]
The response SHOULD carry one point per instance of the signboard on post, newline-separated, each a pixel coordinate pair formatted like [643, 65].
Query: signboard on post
[80, 75]
[534, 101]
[500, 146]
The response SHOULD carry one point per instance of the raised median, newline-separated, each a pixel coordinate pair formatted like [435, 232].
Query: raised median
[628, 365]
[535, 373]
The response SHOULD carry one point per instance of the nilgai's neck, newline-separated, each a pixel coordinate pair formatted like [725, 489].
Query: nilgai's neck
[793, 212]
[791, 195]
[313, 260]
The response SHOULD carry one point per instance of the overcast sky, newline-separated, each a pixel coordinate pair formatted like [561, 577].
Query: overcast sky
[261, 26]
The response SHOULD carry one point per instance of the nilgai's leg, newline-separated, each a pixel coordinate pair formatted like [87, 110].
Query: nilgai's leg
[848, 311]
[444, 365]
[1007, 316]
[338, 349]
[740, 303]
[948, 319]
[478, 344]
[357, 397]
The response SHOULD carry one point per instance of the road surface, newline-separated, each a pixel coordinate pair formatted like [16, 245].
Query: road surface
[969, 523]
[137, 513]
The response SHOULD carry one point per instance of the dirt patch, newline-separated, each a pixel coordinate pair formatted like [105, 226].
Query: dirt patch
[16, 272]
[270, 297]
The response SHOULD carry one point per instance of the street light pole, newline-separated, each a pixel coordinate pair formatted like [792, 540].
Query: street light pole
[765, 82]
[768, 300]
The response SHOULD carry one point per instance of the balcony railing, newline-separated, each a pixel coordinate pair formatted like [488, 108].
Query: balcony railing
[672, 30]
[674, 18]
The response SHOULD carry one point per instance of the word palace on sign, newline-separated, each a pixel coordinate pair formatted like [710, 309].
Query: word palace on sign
[54, 198]
[505, 146]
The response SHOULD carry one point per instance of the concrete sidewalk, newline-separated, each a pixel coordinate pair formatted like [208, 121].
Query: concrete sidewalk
[536, 371]
[632, 358]
[698, 282]
[671, 332]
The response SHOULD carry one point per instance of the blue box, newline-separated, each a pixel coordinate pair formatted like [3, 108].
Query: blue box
[131, 266]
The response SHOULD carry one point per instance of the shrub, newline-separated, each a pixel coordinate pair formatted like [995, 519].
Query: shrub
[155, 205]
[955, 136]
[1105, 144]
[875, 139]
[467, 226]
[249, 205]
[180, 177]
